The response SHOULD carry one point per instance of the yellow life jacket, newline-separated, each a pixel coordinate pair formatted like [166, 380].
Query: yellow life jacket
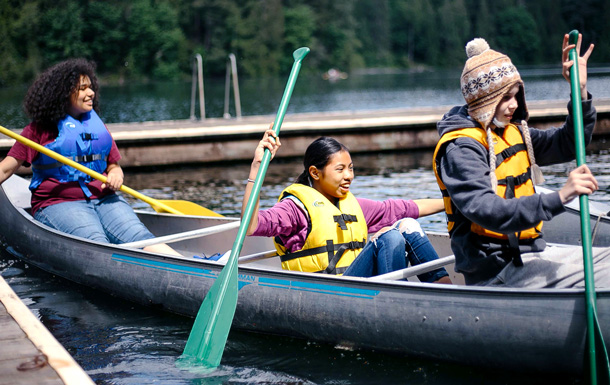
[336, 234]
[512, 170]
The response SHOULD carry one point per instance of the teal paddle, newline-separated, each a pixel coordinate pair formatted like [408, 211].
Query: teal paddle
[599, 367]
[208, 337]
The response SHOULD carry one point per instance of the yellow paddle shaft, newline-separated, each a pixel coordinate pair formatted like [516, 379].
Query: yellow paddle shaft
[88, 171]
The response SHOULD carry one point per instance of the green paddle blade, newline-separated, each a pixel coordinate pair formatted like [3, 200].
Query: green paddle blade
[211, 328]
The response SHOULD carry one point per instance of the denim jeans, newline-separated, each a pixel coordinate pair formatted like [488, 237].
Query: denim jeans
[109, 219]
[385, 252]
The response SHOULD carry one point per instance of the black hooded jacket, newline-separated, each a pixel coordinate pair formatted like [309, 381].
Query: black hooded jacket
[463, 166]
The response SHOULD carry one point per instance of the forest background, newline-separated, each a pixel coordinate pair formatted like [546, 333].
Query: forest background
[140, 40]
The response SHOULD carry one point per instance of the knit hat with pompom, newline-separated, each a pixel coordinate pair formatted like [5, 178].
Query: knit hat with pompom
[487, 76]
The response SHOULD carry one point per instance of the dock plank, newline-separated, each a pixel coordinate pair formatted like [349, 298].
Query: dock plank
[19, 352]
[29, 354]
[213, 140]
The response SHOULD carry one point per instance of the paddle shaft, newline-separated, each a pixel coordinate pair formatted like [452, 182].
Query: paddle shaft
[585, 224]
[88, 171]
[183, 235]
[225, 284]
[414, 270]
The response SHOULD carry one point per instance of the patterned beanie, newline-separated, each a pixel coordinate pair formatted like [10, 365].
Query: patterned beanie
[487, 76]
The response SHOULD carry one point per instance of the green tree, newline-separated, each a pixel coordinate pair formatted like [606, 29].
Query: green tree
[519, 38]
[482, 28]
[299, 27]
[454, 30]
[338, 43]
[413, 39]
[373, 31]
[105, 34]
[25, 25]
[157, 38]
[259, 37]
[62, 31]
[9, 65]
[156, 43]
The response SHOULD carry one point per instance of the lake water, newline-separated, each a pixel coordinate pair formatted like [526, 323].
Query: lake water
[118, 342]
[168, 101]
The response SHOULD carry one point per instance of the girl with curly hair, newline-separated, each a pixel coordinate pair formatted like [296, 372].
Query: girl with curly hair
[63, 107]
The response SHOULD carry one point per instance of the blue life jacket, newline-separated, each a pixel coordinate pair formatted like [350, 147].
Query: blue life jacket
[87, 142]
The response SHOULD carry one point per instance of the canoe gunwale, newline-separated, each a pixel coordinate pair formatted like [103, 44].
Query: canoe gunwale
[297, 275]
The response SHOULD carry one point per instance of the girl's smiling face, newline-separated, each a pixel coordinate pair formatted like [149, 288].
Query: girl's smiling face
[333, 181]
[82, 98]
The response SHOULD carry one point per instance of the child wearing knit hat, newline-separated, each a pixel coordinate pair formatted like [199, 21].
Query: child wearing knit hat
[486, 166]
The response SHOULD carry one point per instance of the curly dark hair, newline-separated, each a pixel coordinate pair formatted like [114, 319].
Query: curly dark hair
[49, 98]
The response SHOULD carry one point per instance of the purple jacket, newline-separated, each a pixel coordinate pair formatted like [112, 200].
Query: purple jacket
[287, 221]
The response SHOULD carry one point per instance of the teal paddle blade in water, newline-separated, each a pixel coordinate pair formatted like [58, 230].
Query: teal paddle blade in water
[210, 331]
[208, 337]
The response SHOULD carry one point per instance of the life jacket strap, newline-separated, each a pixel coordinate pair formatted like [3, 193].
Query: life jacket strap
[343, 219]
[84, 187]
[510, 151]
[513, 253]
[89, 158]
[330, 248]
[89, 136]
[77, 159]
[516, 180]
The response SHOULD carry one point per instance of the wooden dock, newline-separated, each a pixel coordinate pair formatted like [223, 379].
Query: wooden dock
[29, 354]
[169, 143]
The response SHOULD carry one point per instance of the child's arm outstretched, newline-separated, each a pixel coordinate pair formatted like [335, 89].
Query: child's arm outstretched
[429, 206]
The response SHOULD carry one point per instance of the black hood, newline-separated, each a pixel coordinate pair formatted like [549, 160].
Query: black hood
[455, 119]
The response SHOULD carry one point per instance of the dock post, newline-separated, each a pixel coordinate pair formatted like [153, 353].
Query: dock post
[232, 70]
[197, 80]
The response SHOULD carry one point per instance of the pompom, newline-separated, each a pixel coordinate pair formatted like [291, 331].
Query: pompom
[476, 47]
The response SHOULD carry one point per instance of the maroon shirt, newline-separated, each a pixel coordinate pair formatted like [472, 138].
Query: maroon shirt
[51, 191]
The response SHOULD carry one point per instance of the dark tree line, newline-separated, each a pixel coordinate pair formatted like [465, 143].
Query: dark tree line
[156, 39]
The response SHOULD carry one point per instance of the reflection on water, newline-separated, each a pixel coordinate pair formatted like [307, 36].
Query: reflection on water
[170, 101]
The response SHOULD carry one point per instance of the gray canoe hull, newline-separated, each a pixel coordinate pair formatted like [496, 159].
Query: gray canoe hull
[540, 330]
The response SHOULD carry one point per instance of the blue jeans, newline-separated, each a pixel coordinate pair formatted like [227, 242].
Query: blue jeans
[386, 252]
[109, 219]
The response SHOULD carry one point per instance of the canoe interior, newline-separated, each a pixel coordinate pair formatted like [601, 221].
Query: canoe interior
[161, 224]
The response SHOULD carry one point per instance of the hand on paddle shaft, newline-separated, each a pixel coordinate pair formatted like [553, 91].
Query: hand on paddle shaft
[581, 180]
[271, 142]
[114, 177]
[582, 63]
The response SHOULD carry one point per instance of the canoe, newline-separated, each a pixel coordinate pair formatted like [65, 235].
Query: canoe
[514, 329]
